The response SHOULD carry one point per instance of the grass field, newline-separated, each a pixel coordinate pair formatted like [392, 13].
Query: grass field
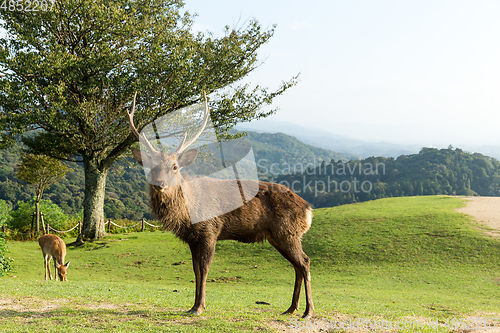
[398, 259]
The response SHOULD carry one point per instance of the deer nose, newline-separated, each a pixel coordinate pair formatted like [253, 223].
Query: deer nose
[159, 187]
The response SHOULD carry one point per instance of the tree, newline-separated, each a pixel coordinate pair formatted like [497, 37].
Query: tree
[20, 219]
[41, 172]
[71, 72]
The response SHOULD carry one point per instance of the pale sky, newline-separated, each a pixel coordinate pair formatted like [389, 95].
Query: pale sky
[423, 72]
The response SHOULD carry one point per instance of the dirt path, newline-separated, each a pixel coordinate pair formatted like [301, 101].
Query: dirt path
[485, 210]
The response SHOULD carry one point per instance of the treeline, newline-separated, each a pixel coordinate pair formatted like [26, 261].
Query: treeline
[284, 159]
[431, 172]
[126, 188]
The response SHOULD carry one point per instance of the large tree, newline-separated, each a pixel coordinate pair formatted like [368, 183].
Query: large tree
[70, 73]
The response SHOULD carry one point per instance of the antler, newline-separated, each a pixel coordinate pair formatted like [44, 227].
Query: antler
[183, 145]
[135, 131]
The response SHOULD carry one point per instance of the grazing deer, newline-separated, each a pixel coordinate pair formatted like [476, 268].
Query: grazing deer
[276, 213]
[54, 247]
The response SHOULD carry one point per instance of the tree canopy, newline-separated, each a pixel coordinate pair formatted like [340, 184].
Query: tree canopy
[70, 73]
[41, 172]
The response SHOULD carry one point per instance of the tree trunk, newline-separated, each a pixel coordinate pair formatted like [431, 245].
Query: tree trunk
[37, 212]
[93, 203]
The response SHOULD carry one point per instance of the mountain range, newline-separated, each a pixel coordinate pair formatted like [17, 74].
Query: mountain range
[352, 146]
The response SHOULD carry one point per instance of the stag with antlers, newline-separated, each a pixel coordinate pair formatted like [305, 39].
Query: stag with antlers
[275, 214]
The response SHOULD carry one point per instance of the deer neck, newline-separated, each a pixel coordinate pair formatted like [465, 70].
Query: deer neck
[170, 209]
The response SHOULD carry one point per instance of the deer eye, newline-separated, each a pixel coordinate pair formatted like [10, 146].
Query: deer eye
[175, 167]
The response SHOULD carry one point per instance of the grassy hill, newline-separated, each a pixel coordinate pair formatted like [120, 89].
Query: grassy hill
[396, 259]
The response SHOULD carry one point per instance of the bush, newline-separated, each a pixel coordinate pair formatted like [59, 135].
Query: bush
[4, 261]
[22, 217]
[5, 209]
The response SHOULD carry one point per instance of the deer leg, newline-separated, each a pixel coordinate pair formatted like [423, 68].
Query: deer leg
[202, 253]
[45, 266]
[56, 270]
[196, 269]
[298, 278]
[48, 266]
[307, 284]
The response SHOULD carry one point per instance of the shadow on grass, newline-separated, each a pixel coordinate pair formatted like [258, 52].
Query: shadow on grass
[134, 320]
[176, 316]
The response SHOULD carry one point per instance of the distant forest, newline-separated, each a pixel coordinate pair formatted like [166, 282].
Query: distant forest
[126, 188]
[430, 172]
[322, 183]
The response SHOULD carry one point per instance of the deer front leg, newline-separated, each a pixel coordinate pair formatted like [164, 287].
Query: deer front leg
[55, 269]
[47, 266]
[196, 269]
[202, 254]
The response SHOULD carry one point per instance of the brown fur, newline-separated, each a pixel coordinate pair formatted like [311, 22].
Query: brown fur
[276, 214]
[53, 247]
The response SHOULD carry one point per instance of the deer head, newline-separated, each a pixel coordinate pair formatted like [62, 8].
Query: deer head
[61, 271]
[165, 167]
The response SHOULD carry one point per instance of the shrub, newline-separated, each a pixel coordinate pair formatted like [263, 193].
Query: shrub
[21, 218]
[5, 262]
[5, 209]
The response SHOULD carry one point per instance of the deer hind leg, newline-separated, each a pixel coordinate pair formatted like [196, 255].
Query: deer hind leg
[202, 255]
[298, 277]
[292, 251]
[307, 284]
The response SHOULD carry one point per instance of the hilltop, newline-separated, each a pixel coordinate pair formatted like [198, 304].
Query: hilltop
[395, 259]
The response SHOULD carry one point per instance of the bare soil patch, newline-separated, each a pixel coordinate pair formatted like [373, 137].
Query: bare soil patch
[27, 304]
[485, 210]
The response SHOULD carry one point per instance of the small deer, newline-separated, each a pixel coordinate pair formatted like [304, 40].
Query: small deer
[53, 247]
[276, 213]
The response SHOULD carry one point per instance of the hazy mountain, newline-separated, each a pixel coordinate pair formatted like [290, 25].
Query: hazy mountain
[349, 145]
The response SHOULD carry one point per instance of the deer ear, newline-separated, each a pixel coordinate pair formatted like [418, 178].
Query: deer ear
[187, 158]
[67, 264]
[138, 156]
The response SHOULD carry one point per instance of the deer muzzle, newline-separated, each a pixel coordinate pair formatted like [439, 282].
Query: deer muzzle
[159, 189]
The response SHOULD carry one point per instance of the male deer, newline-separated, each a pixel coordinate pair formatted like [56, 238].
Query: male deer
[276, 213]
[53, 247]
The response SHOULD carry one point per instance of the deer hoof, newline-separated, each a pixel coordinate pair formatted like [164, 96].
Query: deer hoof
[194, 312]
[288, 312]
[307, 315]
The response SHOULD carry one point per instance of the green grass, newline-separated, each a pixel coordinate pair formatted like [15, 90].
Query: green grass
[393, 259]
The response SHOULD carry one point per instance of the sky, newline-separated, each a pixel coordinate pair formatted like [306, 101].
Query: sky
[425, 72]
[421, 72]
